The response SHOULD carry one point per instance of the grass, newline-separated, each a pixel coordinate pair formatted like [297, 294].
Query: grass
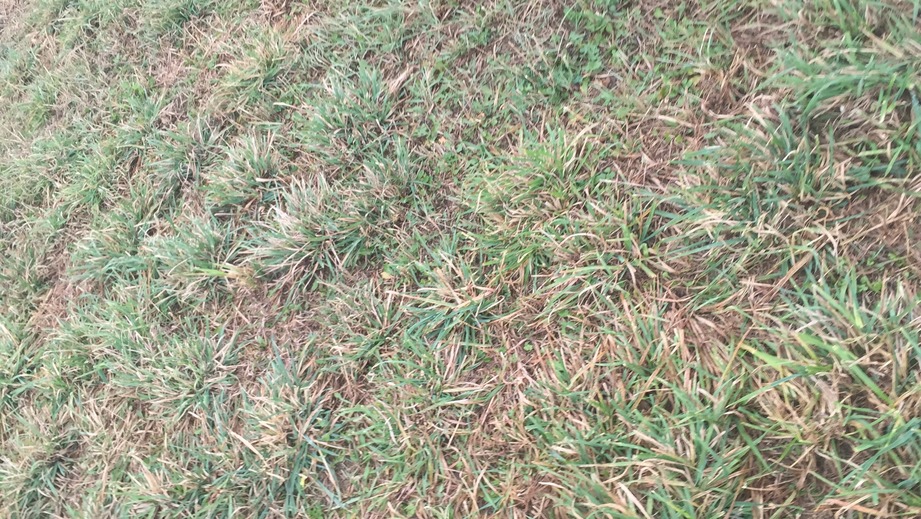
[596, 258]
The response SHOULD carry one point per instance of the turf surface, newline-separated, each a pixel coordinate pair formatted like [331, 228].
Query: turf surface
[595, 258]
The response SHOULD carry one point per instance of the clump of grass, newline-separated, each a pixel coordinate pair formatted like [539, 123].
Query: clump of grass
[93, 178]
[42, 95]
[249, 173]
[179, 159]
[259, 73]
[331, 226]
[168, 17]
[351, 119]
[26, 183]
[556, 209]
[108, 252]
[317, 229]
[196, 263]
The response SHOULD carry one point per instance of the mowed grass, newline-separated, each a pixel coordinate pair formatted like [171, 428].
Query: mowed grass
[437, 259]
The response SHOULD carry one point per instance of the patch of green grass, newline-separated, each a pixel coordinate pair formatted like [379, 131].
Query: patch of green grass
[170, 16]
[327, 228]
[447, 259]
[250, 170]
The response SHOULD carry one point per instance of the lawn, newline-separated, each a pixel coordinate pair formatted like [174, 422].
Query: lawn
[446, 258]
